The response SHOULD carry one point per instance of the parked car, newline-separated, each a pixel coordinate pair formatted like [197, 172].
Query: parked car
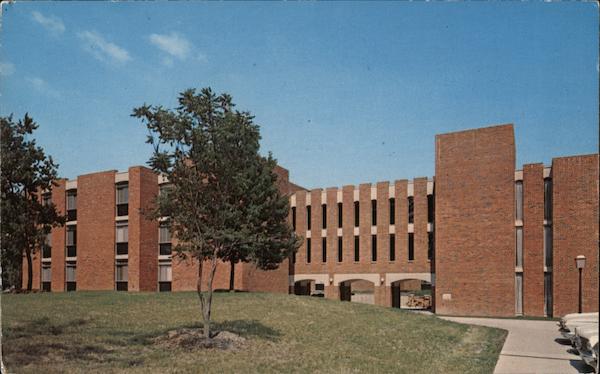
[568, 323]
[583, 329]
[572, 316]
[587, 339]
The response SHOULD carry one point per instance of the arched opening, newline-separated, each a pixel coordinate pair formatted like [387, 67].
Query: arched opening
[358, 291]
[412, 294]
[309, 287]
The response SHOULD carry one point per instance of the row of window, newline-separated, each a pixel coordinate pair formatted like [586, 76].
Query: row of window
[392, 248]
[547, 247]
[122, 201]
[122, 241]
[547, 200]
[121, 276]
[392, 212]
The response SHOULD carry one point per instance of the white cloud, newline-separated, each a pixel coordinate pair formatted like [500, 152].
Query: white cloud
[42, 87]
[6, 69]
[173, 44]
[50, 23]
[102, 49]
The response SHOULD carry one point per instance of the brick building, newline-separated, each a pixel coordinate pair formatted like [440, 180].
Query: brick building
[479, 238]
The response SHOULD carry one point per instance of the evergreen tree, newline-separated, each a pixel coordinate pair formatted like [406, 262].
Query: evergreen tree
[26, 172]
[223, 202]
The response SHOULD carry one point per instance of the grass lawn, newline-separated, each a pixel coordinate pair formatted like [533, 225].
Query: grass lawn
[113, 332]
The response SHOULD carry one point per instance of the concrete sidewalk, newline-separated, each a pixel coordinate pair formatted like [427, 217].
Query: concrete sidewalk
[531, 347]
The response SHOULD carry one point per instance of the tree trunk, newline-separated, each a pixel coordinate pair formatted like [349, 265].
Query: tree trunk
[206, 300]
[232, 277]
[29, 270]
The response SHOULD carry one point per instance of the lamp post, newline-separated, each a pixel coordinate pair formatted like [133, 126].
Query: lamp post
[580, 263]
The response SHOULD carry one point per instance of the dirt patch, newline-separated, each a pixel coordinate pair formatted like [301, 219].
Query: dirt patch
[192, 339]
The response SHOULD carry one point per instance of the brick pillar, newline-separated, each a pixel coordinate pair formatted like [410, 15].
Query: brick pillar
[380, 295]
[58, 239]
[332, 292]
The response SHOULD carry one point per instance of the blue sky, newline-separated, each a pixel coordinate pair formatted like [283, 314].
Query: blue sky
[344, 92]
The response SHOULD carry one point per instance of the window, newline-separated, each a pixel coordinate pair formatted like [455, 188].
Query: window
[294, 218]
[356, 249]
[548, 199]
[72, 205]
[294, 257]
[547, 246]
[519, 294]
[324, 248]
[163, 192]
[356, 214]
[519, 246]
[70, 276]
[411, 209]
[46, 277]
[308, 217]
[165, 189]
[430, 208]
[47, 246]
[548, 294]
[122, 199]
[411, 246]
[71, 241]
[324, 215]
[340, 249]
[46, 198]
[164, 277]
[430, 245]
[308, 250]
[122, 275]
[392, 211]
[164, 239]
[373, 248]
[392, 247]
[339, 215]
[519, 200]
[122, 235]
[373, 212]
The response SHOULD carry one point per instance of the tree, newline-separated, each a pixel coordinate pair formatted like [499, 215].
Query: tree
[223, 203]
[26, 219]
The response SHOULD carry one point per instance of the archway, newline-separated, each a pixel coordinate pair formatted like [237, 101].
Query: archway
[358, 291]
[414, 294]
[309, 287]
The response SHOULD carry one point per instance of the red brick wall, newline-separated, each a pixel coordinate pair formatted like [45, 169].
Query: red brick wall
[96, 231]
[184, 273]
[143, 233]
[401, 225]
[267, 280]
[533, 240]
[421, 264]
[58, 239]
[575, 231]
[475, 252]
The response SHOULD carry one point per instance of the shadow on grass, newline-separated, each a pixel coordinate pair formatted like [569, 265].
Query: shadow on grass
[42, 326]
[244, 328]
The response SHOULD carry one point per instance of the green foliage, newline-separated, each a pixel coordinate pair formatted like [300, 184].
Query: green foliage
[223, 202]
[26, 172]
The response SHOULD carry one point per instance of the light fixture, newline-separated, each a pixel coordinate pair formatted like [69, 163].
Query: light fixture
[580, 264]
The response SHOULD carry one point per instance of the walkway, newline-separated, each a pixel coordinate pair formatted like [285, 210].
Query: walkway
[531, 347]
